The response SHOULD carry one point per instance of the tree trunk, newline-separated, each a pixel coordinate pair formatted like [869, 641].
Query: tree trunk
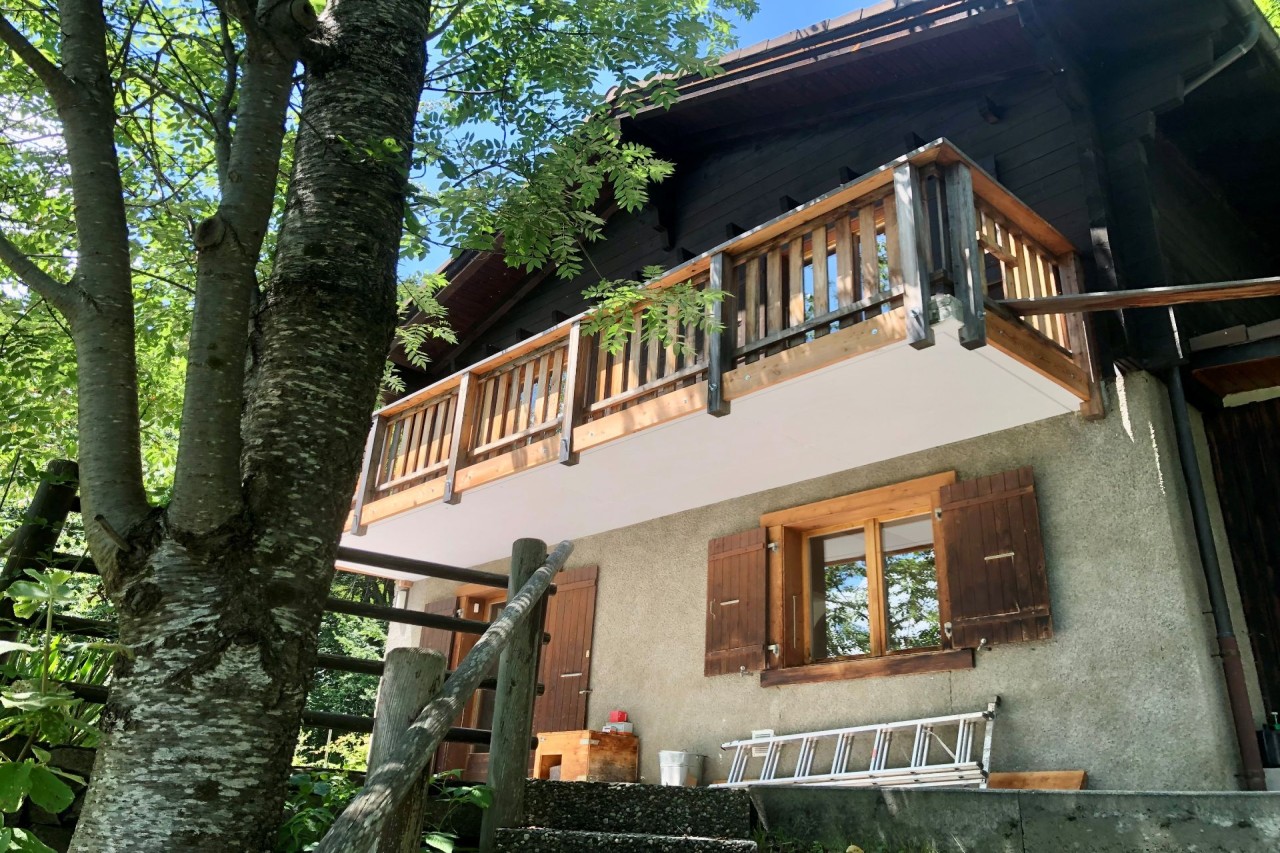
[202, 722]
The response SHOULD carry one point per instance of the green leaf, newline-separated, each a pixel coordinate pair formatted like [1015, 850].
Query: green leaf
[15, 781]
[441, 841]
[26, 842]
[48, 791]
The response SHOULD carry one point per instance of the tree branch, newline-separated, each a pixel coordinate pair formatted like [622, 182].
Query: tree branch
[55, 292]
[57, 83]
[447, 20]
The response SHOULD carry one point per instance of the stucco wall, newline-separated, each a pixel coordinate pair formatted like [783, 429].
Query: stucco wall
[1126, 689]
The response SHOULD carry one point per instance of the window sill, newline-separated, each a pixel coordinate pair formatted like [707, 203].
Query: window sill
[842, 670]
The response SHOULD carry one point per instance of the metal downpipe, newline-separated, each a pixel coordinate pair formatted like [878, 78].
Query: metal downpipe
[1228, 647]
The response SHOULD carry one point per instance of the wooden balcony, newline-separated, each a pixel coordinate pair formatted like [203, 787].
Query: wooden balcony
[920, 250]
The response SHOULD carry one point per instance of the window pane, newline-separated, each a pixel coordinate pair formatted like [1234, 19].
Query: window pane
[911, 584]
[840, 578]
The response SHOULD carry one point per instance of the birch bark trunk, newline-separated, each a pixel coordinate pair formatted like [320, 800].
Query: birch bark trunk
[202, 721]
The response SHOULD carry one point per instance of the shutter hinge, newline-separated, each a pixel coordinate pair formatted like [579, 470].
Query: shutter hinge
[773, 649]
[946, 629]
[772, 546]
[937, 513]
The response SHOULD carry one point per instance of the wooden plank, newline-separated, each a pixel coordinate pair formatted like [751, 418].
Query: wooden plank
[485, 413]
[504, 464]
[912, 237]
[876, 596]
[752, 319]
[464, 430]
[869, 335]
[673, 336]
[575, 391]
[773, 289]
[821, 286]
[871, 667]
[367, 485]
[650, 413]
[1079, 333]
[1039, 780]
[869, 250]
[795, 282]
[1036, 352]
[844, 261]
[965, 255]
[551, 405]
[893, 257]
[635, 347]
[538, 413]
[720, 345]
[1149, 297]
[410, 498]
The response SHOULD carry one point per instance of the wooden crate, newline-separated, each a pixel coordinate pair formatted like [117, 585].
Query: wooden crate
[587, 756]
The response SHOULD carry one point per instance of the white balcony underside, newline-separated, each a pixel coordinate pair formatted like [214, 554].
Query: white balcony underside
[877, 406]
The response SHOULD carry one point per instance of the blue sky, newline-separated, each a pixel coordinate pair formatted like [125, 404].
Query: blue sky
[778, 16]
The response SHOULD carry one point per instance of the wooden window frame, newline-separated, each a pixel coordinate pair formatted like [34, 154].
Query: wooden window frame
[791, 533]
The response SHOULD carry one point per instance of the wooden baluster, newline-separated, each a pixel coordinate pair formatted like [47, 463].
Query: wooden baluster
[795, 281]
[913, 253]
[601, 390]
[513, 401]
[444, 435]
[673, 335]
[1080, 337]
[575, 390]
[773, 291]
[893, 258]
[721, 344]
[965, 255]
[426, 433]
[635, 346]
[551, 404]
[752, 320]
[526, 395]
[869, 249]
[367, 486]
[465, 416]
[485, 414]
[821, 286]
[844, 262]
[402, 436]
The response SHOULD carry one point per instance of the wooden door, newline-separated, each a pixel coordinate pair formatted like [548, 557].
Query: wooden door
[565, 668]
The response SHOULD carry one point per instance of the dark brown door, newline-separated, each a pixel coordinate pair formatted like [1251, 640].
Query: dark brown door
[565, 669]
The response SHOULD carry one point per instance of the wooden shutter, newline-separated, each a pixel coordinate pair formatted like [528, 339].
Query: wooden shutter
[565, 665]
[438, 638]
[736, 615]
[994, 561]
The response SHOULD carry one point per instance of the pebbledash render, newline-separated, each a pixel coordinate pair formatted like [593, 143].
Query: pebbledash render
[1123, 689]
[888, 483]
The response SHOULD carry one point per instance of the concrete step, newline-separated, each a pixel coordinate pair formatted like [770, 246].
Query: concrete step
[534, 840]
[655, 809]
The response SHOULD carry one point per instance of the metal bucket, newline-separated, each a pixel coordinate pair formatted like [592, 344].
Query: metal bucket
[680, 769]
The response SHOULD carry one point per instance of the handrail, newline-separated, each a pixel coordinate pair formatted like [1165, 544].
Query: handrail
[361, 821]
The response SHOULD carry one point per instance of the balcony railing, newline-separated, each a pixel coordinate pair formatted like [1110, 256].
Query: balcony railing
[839, 276]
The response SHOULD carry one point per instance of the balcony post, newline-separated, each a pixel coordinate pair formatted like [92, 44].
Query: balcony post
[721, 344]
[913, 250]
[367, 486]
[1080, 337]
[964, 258]
[575, 390]
[464, 420]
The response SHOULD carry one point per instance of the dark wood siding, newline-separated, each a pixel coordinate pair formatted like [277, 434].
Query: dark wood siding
[1245, 444]
[565, 668]
[994, 559]
[736, 615]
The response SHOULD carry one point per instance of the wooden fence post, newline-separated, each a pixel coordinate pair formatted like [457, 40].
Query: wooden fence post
[42, 524]
[513, 703]
[464, 431]
[410, 679]
[965, 255]
[913, 251]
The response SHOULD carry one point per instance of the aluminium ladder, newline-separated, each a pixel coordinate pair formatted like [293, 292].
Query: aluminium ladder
[958, 770]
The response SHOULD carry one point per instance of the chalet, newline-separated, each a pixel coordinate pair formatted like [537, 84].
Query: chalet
[956, 439]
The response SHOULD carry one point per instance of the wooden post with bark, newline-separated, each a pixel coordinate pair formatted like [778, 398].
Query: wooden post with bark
[42, 524]
[411, 678]
[513, 702]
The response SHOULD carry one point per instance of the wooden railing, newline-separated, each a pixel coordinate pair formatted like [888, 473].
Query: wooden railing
[869, 255]
[414, 685]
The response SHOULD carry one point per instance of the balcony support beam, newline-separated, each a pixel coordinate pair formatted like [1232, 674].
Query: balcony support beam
[464, 421]
[366, 488]
[913, 249]
[575, 389]
[965, 255]
[721, 344]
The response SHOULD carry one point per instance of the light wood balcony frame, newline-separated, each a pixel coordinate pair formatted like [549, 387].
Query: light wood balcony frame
[929, 221]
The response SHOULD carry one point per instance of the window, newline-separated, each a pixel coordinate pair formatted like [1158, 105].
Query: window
[906, 578]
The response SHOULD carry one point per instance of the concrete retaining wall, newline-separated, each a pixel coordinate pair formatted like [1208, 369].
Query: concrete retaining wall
[1021, 821]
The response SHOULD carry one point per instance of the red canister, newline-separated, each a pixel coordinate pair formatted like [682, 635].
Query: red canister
[617, 716]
